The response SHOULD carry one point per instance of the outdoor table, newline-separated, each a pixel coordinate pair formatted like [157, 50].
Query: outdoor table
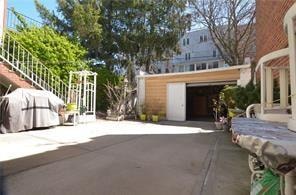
[273, 144]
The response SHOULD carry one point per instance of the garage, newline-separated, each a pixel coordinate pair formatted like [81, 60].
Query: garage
[187, 95]
[199, 100]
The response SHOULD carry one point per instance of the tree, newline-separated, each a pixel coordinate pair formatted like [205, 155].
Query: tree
[132, 32]
[231, 26]
[79, 21]
[55, 51]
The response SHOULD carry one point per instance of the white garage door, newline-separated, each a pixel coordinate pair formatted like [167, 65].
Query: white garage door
[176, 101]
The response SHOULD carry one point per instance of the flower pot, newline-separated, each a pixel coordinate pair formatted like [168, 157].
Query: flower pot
[218, 125]
[71, 107]
[155, 118]
[143, 117]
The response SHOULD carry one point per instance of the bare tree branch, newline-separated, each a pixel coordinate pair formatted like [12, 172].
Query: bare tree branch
[231, 26]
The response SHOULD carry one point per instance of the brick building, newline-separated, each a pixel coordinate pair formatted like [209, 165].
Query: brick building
[270, 35]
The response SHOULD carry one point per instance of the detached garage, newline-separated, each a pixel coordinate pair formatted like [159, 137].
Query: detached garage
[187, 95]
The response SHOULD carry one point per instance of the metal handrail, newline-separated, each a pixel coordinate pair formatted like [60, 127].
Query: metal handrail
[29, 67]
[12, 21]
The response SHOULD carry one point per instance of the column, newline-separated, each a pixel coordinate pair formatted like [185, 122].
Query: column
[269, 87]
[262, 87]
[284, 92]
[292, 62]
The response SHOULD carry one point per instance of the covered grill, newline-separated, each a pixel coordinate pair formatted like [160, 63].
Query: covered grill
[25, 109]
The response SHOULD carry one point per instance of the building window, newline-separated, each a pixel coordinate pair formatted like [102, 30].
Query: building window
[188, 56]
[214, 53]
[201, 39]
[184, 42]
[204, 66]
[205, 39]
[187, 41]
[215, 64]
[185, 56]
[191, 67]
[181, 68]
[201, 66]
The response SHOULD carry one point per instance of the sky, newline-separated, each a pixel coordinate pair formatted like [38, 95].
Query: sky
[27, 7]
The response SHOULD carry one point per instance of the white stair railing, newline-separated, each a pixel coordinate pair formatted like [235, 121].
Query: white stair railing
[29, 67]
[13, 21]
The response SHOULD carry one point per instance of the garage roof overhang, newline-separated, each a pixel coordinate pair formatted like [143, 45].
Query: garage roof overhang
[236, 67]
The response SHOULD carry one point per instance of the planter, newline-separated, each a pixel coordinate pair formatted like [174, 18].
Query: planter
[143, 117]
[225, 127]
[155, 118]
[71, 107]
[218, 125]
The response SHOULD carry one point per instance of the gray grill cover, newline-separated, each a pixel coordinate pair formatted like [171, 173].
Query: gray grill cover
[25, 109]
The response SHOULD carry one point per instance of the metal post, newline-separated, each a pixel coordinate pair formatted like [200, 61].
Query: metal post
[262, 88]
[95, 92]
[84, 91]
[69, 89]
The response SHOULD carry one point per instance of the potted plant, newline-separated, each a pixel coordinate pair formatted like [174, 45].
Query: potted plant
[155, 118]
[216, 113]
[224, 123]
[143, 116]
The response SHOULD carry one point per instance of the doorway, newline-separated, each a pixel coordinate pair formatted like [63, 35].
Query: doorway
[199, 104]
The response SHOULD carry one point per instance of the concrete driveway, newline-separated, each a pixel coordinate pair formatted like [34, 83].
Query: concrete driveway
[126, 157]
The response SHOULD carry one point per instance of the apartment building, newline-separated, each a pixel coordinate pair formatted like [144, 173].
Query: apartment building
[197, 52]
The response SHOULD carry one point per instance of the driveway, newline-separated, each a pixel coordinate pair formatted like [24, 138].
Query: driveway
[126, 157]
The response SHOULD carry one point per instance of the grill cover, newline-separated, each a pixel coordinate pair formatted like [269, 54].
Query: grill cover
[25, 109]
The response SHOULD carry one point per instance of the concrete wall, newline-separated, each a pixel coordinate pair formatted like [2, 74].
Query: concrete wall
[156, 85]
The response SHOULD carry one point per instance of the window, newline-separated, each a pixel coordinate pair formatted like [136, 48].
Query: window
[215, 64]
[202, 66]
[184, 42]
[201, 39]
[181, 68]
[187, 41]
[205, 39]
[187, 56]
[191, 67]
[214, 53]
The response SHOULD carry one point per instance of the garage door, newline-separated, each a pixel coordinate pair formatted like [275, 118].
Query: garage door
[176, 101]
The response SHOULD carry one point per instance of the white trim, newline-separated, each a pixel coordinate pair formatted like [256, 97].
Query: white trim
[290, 15]
[237, 67]
[272, 55]
[214, 83]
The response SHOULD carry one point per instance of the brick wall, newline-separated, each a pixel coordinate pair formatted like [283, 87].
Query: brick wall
[270, 35]
[8, 77]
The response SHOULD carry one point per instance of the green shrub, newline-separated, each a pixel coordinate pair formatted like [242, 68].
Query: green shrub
[104, 75]
[241, 97]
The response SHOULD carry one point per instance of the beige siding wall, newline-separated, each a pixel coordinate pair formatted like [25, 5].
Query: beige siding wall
[156, 86]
